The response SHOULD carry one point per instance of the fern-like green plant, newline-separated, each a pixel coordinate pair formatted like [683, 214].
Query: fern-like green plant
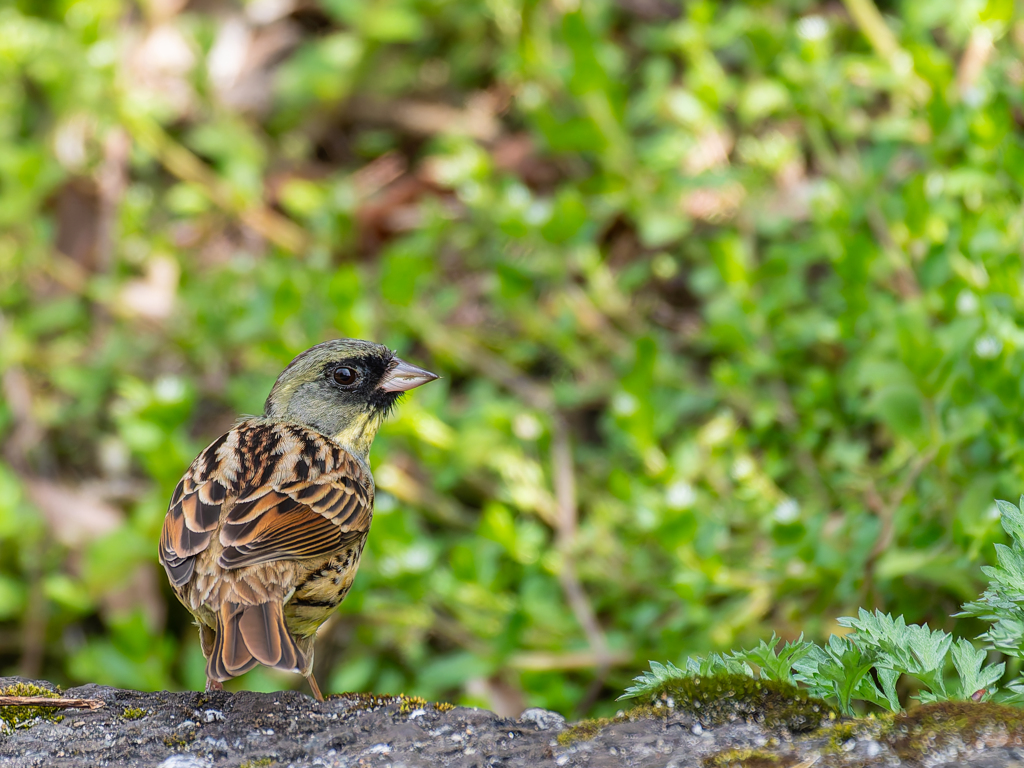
[867, 664]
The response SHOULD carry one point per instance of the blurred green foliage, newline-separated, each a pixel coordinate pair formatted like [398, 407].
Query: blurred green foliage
[727, 297]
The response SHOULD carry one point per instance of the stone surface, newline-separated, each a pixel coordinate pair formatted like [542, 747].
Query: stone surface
[257, 730]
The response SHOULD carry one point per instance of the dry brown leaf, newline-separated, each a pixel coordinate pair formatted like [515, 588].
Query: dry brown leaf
[501, 696]
[73, 514]
[714, 204]
[160, 63]
[77, 206]
[712, 151]
[244, 56]
[478, 119]
[151, 297]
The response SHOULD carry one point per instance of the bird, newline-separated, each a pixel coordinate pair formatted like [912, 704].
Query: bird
[264, 532]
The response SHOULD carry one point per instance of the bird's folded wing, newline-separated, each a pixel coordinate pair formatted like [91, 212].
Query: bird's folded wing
[308, 500]
[191, 520]
[283, 529]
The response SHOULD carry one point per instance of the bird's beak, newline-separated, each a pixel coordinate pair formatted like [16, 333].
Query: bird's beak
[404, 376]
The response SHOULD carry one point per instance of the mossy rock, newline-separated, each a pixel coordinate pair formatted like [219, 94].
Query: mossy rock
[726, 698]
[745, 758]
[954, 724]
[588, 729]
[370, 702]
[19, 717]
[179, 740]
[717, 700]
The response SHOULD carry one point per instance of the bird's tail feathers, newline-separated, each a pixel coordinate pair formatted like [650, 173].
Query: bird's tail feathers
[248, 635]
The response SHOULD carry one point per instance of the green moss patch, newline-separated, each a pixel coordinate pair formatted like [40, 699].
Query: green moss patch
[744, 758]
[588, 729]
[15, 717]
[725, 698]
[179, 740]
[370, 702]
[584, 730]
[718, 699]
[873, 726]
[134, 713]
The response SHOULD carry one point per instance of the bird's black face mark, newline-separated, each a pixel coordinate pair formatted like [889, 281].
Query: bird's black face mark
[356, 380]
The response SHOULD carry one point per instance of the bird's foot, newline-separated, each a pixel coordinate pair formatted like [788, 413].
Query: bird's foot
[214, 685]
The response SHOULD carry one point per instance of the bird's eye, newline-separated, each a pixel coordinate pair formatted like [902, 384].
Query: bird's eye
[344, 376]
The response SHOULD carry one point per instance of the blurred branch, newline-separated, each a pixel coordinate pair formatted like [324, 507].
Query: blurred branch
[543, 661]
[886, 513]
[979, 50]
[34, 620]
[393, 479]
[870, 22]
[471, 354]
[904, 280]
[564, 480]
[181, 162]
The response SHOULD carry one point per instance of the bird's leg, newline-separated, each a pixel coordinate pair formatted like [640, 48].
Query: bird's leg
[314, 687]
[214, 685]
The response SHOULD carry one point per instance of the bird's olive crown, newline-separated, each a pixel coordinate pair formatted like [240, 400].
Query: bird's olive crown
[335, 388]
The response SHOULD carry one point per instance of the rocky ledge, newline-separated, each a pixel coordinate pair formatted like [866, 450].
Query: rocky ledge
[250, 730]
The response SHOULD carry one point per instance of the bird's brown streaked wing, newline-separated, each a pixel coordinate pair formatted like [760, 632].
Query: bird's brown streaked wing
[193, 516]
[289, 493]
[337, 495]
[321, 507]
[286, 529]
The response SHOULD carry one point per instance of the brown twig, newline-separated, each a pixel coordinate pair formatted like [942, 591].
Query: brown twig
[905, 283]
[34, 621]
[886, 513]
[564, 481]
[46, 701]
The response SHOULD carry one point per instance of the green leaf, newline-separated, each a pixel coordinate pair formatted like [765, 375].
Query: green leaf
[975, 676]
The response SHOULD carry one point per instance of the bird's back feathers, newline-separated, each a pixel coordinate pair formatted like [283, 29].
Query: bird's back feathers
[261, 512]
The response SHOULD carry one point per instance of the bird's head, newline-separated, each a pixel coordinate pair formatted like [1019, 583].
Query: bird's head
[344, 389]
